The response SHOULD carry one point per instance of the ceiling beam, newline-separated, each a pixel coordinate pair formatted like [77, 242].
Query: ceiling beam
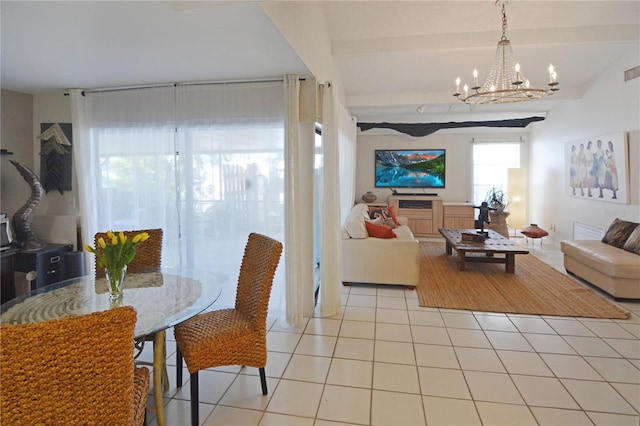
[417, 98]
[487, 40]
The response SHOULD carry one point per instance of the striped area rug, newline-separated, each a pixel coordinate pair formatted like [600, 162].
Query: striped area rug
[535, 288]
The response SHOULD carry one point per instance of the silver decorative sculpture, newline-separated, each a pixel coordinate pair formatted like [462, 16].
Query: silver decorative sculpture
[25, 238]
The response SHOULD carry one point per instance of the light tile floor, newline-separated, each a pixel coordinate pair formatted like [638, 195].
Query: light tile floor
[383, 360]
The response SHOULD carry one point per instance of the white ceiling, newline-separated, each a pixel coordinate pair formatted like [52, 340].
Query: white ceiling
[393, 56]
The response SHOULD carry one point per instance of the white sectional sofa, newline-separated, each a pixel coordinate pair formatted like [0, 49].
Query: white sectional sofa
[367, 259]
[612, 264]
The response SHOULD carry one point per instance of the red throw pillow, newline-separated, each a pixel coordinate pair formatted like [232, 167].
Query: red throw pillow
[379, 231]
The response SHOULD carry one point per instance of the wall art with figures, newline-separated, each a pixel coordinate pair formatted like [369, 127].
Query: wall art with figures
[596, 168]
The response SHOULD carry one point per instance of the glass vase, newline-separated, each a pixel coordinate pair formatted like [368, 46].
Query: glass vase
[115, 280]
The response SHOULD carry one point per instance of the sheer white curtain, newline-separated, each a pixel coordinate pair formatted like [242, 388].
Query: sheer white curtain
[294, 207]
[80, 118]
[347, 128]
[204, 162]
[338, 174]
[124, 143]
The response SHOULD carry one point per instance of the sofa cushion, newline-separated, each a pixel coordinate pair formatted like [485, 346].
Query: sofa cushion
[618, 232]
[633, 242]
[381, 261]
[390, 223]
[345, 235]
[379, 231]
[392, 212]
[376, 212]
[354, 223]
[605, 258]
[403, 232]
[385, 213]
[376, 221]
[355, 228]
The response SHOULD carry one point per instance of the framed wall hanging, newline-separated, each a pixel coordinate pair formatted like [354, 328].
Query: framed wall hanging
[596, 168]
[55, 156]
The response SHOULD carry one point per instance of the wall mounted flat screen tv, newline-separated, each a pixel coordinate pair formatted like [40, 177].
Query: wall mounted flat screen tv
[403, 168]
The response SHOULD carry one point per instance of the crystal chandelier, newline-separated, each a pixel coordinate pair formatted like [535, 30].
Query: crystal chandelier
[505, 83]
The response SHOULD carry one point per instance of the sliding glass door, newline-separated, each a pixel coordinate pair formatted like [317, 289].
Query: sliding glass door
[228, 189]
[208, 173]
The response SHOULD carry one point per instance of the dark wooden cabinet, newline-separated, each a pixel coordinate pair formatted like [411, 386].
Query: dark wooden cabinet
[8, 290]
[48, 264]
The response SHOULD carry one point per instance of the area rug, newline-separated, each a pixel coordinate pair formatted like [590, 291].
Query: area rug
[534, 288]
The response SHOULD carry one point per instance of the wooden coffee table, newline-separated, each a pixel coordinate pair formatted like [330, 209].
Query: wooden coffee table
[494, 244]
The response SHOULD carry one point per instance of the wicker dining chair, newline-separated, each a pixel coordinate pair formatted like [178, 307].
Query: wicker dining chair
[148, 254]
[234, 336]
[72, 371]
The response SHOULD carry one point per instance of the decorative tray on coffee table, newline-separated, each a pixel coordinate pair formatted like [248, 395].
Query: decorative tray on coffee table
[474, 237]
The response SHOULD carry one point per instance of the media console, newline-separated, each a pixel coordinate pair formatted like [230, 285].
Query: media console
[424, 213]
[427, 213]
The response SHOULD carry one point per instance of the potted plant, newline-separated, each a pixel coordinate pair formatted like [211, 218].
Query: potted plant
[497, 199]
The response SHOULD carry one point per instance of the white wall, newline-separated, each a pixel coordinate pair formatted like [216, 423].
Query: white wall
[16, 137]
[609, 105]
[21, 118]
[458, 173]
[55, 217]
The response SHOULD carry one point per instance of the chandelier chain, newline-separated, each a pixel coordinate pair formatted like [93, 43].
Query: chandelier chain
[504, 23]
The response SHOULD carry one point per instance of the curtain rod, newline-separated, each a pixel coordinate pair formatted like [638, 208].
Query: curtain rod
[197, 83]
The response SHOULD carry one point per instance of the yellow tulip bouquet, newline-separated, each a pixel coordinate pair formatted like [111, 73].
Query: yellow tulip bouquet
[118, 252]
[114, 255]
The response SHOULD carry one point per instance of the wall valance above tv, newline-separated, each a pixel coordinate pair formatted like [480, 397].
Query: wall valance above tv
[404, 168]
[424, 129]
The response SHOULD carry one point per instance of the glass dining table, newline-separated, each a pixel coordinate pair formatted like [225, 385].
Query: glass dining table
[162, 299]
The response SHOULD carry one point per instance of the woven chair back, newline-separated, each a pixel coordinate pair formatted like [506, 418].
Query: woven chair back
[259, 263]
[72, 371]
[148, 253]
